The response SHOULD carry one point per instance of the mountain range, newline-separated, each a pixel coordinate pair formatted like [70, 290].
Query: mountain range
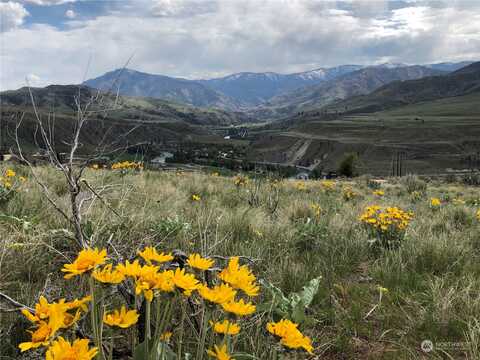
[398, 93]
[258, 93]
[359, 82]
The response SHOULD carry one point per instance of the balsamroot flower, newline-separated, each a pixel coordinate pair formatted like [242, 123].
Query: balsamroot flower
[219, 294]
[240, 277]
[108, 276]
[239, 308]
[54, 316]
[435, 202]
[62, 349]
[130, 269]
[86, 260]
[10, 173]
[225, 327]
[197, 262]
[122, 318]
[186, 282]
[289, 334]
[220, 352]
[150, 254]
[385, 220]
[40, 337]
[166, 336]
[146, 280]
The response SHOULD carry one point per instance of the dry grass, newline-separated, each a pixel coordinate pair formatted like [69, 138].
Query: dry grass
[431, 279]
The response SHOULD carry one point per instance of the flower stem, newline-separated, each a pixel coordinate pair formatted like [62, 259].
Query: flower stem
[203, 332]
[94, 316]
[182, 323]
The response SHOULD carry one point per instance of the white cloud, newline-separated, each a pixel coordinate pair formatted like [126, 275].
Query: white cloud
[11, 15]
[181, 8]
[70, 14]
[249, 35]
[47, 2]
[33, 80]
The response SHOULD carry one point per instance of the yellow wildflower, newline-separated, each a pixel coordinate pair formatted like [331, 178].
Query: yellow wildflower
[219, 294]
[129, 269]
[146, 281]
[240, 180]
[289, 334]
[10, 173]
[122, 318]
[79, 303]
[150, 254]
[220, 353]
[435, 202]
[225, 327]
[197, 262]
[328, 185]
[40, 337]
[239, 308]
[108, 276]
[379, 192]
[239, 277]
[86, 260]
[166, 336]
[196, 197]
[316, 209]
[186, 282]
[61, 349]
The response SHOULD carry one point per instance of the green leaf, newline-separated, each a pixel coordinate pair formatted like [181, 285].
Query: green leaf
[309, 291]
[140, 352]
[161, 352]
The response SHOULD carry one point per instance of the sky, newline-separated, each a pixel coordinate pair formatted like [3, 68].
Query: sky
[46, 42]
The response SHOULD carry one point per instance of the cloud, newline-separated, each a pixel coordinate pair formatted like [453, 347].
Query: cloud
[182, 8]
[33, 80]
[70, 14]
[222, 37]
[11, 15]
[47, 2]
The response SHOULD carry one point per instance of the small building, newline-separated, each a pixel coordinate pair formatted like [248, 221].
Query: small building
[162, 158]
[302, 176]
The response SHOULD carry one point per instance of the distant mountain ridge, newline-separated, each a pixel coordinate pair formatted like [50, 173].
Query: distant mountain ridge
[61, 100]
[259, 91]
[359, 82]
[461, 82]
[140, 84]
[255, 88]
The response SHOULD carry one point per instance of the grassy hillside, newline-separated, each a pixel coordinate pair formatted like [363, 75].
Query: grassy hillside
[372, 302]
[434, 136]
[399, 93]
[128, 120]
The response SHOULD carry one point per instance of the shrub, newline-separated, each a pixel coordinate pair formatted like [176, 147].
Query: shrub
[413, 183]
[347, 166]
[387, 225]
